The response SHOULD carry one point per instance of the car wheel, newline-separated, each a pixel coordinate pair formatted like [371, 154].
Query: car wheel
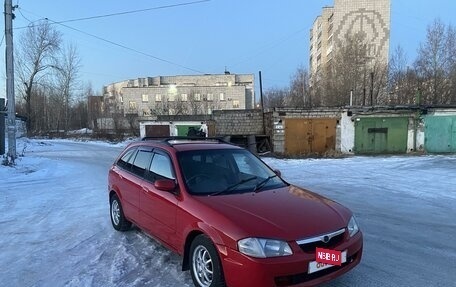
[205, 266]
[118, 220]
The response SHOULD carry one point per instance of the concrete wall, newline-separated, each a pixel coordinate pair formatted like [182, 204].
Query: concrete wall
[415, 136]
[346, 138]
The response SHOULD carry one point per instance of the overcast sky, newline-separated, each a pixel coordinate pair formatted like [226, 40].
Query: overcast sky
[205, 36]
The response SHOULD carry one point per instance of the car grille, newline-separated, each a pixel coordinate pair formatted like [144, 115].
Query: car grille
[329, 240]
[305, 277]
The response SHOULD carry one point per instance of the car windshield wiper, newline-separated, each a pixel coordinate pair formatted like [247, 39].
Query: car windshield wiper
[231, 187]
[263, 183]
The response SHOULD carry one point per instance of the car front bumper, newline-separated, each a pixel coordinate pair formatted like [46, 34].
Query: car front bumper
[241, 270]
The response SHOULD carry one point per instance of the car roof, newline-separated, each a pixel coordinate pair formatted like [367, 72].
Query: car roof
[187, 143]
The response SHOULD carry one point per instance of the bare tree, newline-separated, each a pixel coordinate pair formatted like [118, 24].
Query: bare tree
[35, 55]
[179, 106]
[451, 47]
[347, 71]
[433, 65]
[351, 70]
[195, 103]
[403, 80]
[275, 97]
[67, 68]
[299, 89]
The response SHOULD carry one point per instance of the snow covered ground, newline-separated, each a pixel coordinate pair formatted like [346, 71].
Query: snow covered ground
[55, 228]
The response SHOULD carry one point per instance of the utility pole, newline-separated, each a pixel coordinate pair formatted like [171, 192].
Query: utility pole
[9, 16]
[262, 101]
[2, 126]
[372, 88]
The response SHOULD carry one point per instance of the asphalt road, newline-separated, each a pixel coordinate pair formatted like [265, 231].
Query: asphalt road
[406, 207]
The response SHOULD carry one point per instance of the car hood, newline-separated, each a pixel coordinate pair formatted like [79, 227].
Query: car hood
[288, 213]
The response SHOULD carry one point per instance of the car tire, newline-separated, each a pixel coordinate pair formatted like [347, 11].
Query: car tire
[205, 266]
[118, 220]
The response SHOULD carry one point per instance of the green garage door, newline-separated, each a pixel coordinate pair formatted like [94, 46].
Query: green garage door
[440, 134]
[182, 130]
[381, 135]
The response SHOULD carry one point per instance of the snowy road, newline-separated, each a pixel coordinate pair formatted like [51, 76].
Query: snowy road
[55, 228]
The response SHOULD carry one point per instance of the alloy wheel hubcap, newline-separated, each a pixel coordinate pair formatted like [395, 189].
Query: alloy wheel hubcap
[202, 266]
[115, 212]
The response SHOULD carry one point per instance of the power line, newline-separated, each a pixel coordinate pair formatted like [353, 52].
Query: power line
[268, 46]
[121, 13]
[126, 47]
[112, 42]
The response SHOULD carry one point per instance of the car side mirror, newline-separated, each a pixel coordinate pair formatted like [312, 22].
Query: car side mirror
[276, 171]
[165, 184]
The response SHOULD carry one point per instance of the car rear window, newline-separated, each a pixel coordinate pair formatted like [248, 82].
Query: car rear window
[141, 162]
[126, 160]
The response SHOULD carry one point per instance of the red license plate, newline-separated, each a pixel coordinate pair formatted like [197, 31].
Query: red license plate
[328, 256]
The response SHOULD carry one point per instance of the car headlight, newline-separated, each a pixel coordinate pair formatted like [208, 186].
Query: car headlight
[262, 248]
[353, 227]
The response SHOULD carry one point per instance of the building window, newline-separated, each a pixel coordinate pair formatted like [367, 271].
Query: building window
[197, 97]
[132, 105]
[145, 98]
[236, 104]
[121, 99]
[146, 112]
[222, 96]
[210, 97]
[158, 98]
[171, 97]
[184, 97]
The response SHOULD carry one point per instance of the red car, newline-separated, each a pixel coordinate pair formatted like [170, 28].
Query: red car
[233, 220]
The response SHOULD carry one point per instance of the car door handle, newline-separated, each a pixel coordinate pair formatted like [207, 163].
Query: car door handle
[145, 189]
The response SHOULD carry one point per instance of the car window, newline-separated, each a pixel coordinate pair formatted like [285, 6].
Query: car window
[141, 162]
[126, 160]
[160, 168]
[234, 170]
[248, 164]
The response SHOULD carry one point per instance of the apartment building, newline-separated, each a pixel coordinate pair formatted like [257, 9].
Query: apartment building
[369, 19]
[180, 95]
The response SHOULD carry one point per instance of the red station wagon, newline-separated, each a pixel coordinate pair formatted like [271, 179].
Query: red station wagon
[234, 220]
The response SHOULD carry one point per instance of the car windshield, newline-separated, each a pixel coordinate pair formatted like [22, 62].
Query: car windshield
[226, 171]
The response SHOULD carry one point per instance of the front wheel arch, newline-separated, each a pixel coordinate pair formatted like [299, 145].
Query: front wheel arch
[202, 248]
[188, 242]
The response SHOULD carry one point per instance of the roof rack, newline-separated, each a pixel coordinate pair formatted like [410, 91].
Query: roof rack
[184, 139]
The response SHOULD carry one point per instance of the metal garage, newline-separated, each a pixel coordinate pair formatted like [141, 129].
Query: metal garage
[440, 134]
[309, 136]
[381, 135]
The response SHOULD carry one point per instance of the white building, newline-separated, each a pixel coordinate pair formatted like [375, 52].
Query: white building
[180, 95]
